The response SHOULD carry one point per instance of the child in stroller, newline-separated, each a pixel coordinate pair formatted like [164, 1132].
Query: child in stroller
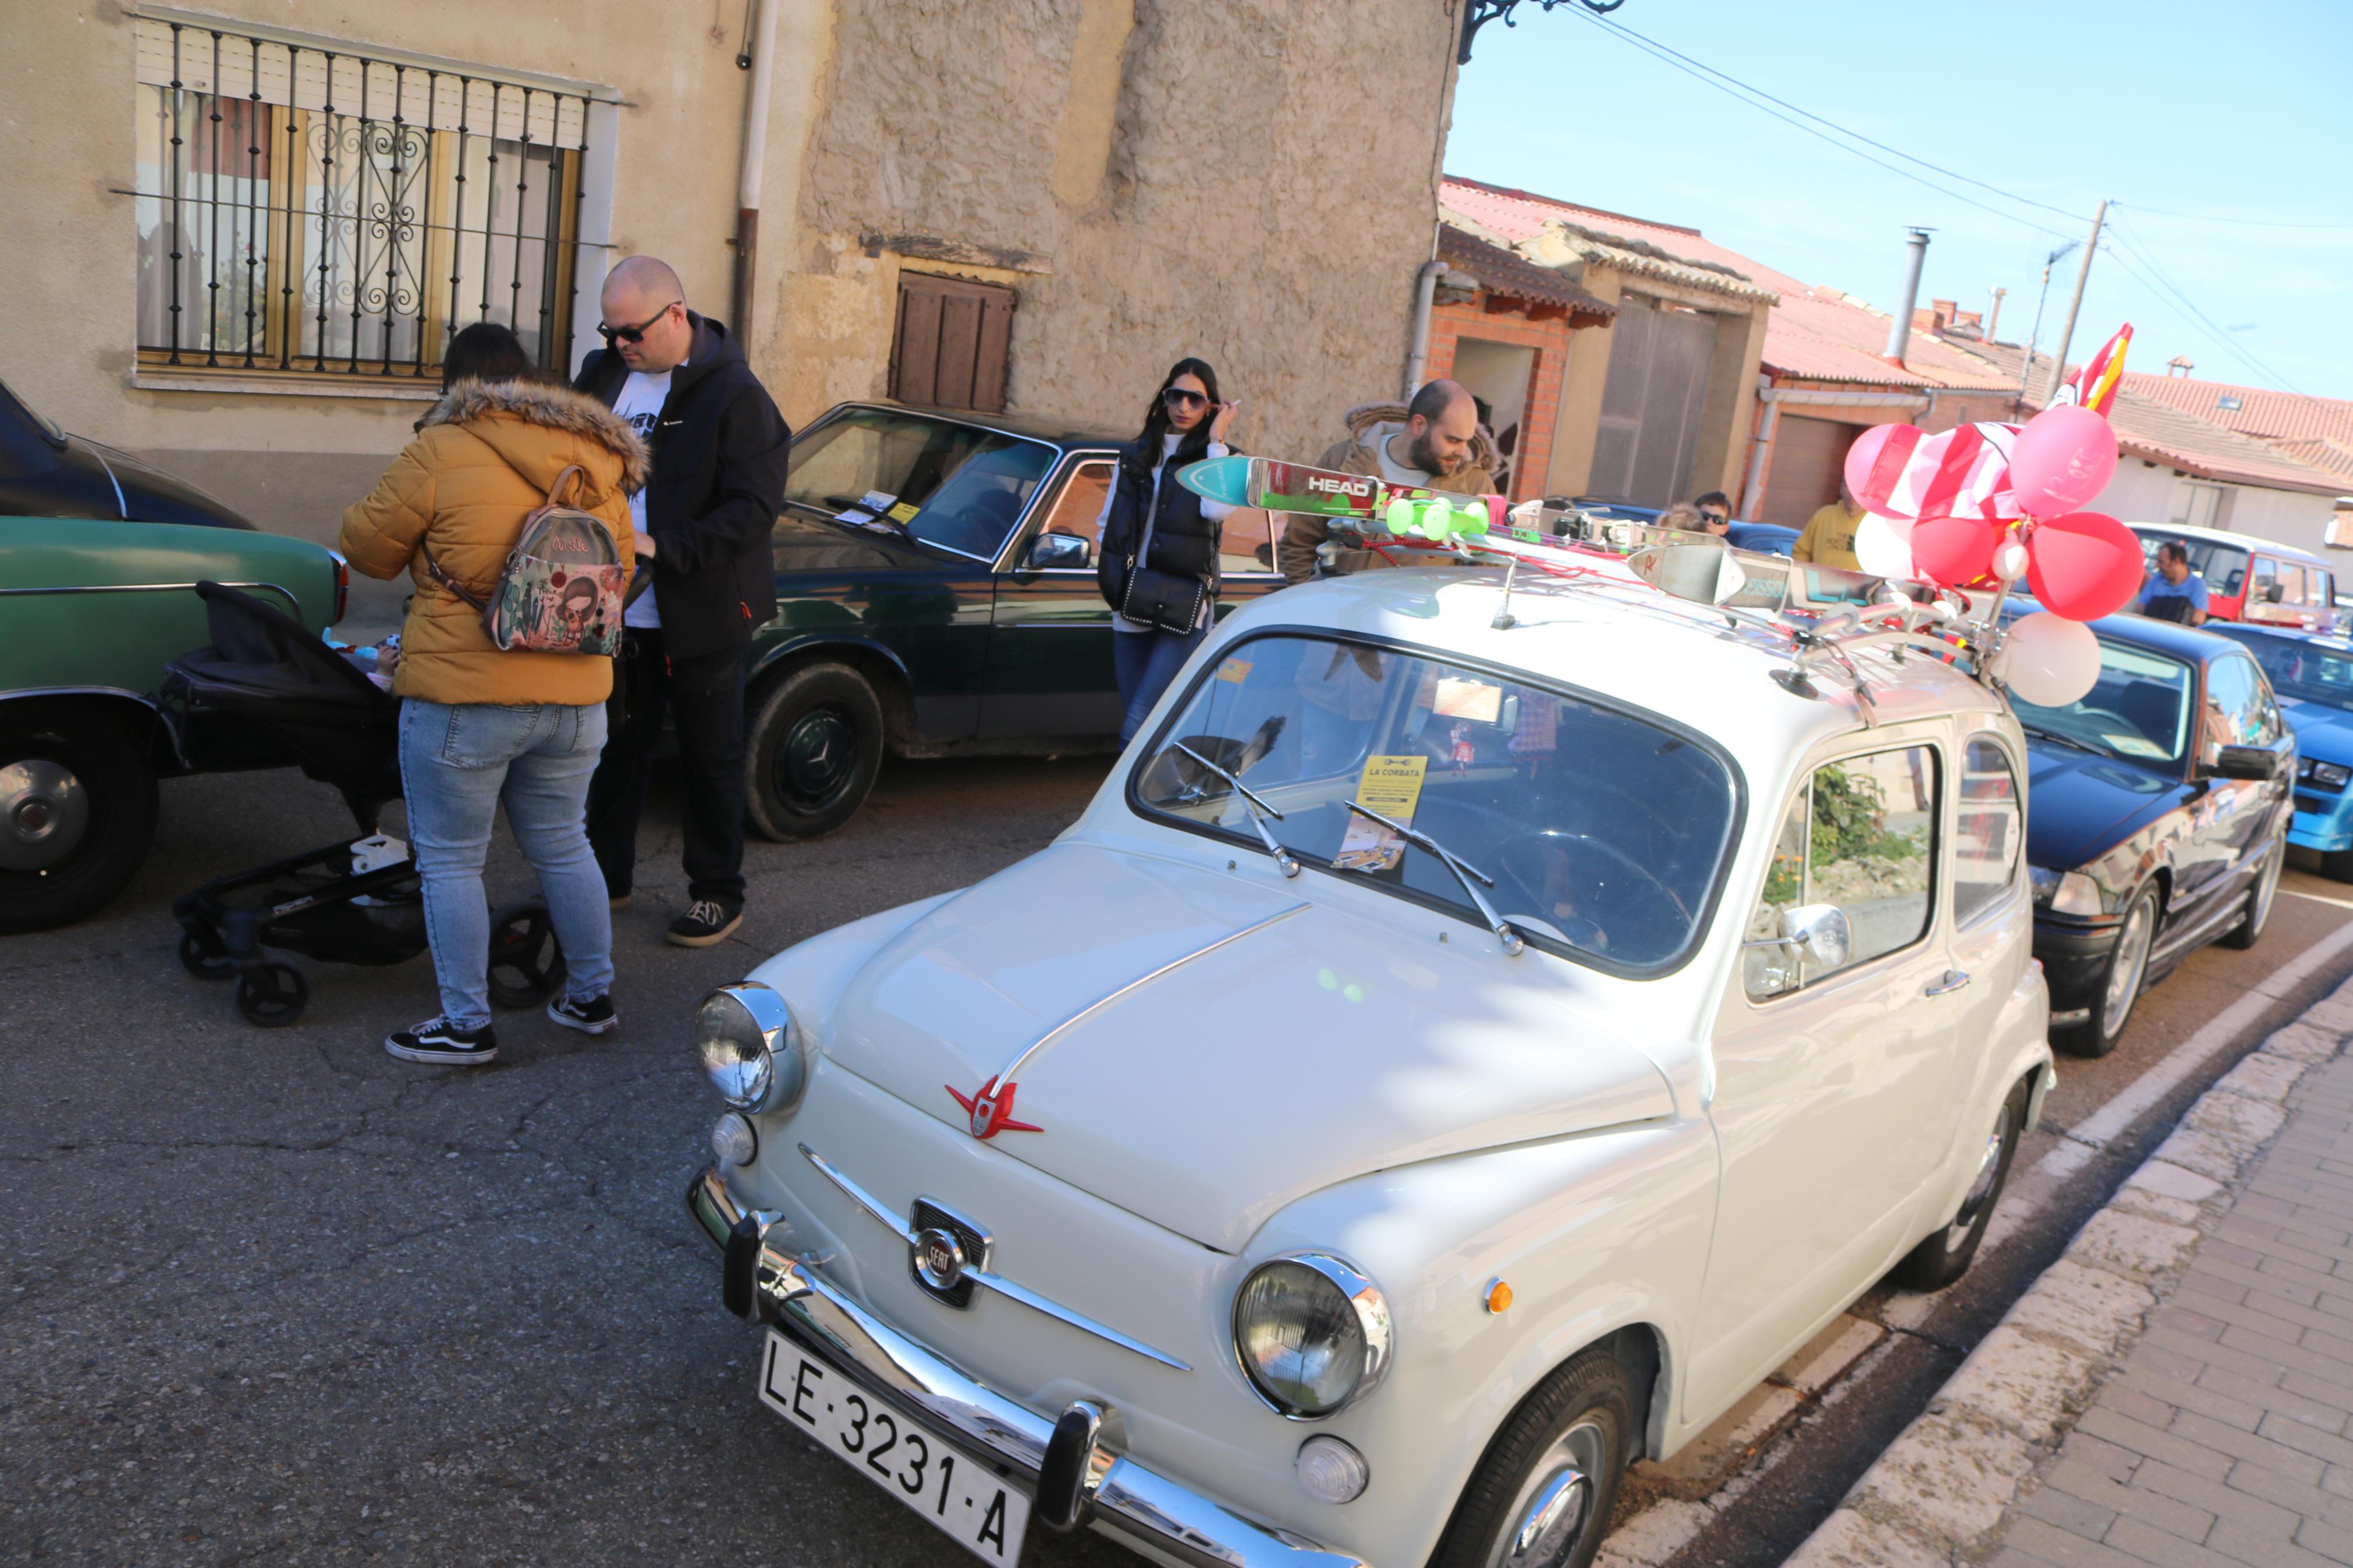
[356, 902]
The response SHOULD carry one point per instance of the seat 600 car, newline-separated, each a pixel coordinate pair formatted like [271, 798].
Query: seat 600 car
[1445, 1063]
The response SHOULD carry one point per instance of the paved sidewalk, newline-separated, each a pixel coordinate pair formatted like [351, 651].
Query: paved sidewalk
[2222, 1441]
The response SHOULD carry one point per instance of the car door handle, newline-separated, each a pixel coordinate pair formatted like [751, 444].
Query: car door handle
[1953, 981]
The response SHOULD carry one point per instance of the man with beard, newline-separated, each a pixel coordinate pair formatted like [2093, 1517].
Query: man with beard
[1435, 442]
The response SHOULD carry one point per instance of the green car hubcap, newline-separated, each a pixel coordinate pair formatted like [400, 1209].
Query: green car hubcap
[816, 758]
[43, 814]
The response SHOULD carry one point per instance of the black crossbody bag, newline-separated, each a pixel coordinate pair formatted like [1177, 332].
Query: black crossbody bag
[1162, 599]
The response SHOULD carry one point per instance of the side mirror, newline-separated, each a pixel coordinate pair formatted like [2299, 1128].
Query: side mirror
[1049, 551]
[1819, 931]
[2257, 762]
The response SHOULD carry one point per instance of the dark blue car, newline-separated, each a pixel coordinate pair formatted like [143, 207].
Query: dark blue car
[2156, 815]
[2313, 677]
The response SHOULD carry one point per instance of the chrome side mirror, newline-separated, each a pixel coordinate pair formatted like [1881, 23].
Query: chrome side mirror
[2257, 762]
[1049, 551]
[1819, 931]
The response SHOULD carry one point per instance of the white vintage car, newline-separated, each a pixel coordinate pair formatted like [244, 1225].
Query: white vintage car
[1448, 1061]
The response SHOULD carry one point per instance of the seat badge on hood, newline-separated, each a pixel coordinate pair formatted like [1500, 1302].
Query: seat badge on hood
[991, 1109]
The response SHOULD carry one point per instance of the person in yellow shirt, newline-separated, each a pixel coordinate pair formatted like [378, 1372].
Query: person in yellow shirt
[1829, 536]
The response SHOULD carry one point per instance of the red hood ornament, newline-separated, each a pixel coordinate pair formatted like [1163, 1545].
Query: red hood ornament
[991, 1109]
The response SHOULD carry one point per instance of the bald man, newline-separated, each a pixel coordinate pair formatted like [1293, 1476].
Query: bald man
[1434, 442]
[703, 524]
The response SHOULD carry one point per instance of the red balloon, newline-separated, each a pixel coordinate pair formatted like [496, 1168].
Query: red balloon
[1952, 551]
[2063, 456]
[2084, 566]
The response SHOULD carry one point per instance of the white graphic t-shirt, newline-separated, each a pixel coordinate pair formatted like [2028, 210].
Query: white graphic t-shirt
[640, 404]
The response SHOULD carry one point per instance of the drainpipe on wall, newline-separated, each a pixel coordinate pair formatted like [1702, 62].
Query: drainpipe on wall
[1752, 488]
[1899, 330]
[1425, 290]
[756, 156]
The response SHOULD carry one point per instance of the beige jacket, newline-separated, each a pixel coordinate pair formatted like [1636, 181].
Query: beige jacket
[1369, 423]
[482, 460]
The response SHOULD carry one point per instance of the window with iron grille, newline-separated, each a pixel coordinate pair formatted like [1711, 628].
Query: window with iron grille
[305, 208]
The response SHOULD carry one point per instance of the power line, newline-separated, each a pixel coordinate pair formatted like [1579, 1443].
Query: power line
[1724, 82]
[2241, 222]
[2131, 248]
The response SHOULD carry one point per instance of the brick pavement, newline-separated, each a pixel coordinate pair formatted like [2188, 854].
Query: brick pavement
[2225, 1437]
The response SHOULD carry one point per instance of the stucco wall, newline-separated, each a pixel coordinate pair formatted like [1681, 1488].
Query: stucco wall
[2143, 491]
[1260, 194]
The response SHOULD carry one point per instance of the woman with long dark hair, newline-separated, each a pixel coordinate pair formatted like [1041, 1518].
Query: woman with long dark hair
[1158, 566]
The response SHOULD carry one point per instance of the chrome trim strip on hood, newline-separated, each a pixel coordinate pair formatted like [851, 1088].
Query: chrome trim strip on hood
[1005, 1075]
[984, 1277]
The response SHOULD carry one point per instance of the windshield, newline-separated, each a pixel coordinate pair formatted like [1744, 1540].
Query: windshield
[947, 484]
[2306, 671]
[2137, 709]
[2223, 567]
[1603, 832]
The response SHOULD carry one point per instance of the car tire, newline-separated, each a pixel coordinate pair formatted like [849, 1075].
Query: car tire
[2122, 980]
[2260, 900]
[1564, 1451]
[78, 808]
[1945, 1255]
[814, 751]
[2337, 865]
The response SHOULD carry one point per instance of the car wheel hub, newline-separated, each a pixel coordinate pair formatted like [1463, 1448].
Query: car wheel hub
[1554, 1504]
[818, 757]
[1981, 1189]
[43, 814]
[2267, 887]
[2132, 957]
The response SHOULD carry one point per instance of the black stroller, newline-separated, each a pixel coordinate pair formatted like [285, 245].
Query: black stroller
[360, 903]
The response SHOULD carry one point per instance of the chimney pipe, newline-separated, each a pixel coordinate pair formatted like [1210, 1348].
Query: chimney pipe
[1994, 321]
[1899, 327]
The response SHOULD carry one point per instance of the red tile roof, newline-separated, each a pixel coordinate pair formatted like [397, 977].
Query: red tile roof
[1513, 276]
[1813, 333]
[2282, 417]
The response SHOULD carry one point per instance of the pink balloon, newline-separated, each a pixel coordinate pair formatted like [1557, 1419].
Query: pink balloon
[1868, 478]
[2084, 566]
[2063, 458]
[1952, 551]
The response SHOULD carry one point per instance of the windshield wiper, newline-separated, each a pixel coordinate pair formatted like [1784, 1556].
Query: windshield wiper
[2066, 740]
[1251, 806]
[1469, 876]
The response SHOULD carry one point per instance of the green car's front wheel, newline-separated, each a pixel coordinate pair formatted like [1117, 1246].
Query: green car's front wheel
[814, 749]
[78, 803]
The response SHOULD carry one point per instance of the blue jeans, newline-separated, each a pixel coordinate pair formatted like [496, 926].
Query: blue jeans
[458, 761]
[1145, 662]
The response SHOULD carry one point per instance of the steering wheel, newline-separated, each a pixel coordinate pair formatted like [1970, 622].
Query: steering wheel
[1515, 852]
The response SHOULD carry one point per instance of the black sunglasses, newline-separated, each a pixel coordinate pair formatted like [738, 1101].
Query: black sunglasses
[634, 334]
[1178, 397]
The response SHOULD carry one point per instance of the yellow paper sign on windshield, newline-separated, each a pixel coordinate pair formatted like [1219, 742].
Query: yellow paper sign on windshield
[1392, 787]
[1234, 671]
[903, 512]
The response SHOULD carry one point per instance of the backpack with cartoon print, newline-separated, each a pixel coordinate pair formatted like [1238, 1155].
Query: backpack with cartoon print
[560, 590]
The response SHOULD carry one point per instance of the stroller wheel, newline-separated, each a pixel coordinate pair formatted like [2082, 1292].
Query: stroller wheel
[271, 996]
[526, 961]
[203, 959]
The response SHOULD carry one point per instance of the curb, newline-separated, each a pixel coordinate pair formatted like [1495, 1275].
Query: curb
[1942, 1490]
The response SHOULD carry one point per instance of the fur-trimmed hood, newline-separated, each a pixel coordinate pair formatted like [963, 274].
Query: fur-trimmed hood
[1366, 418]
[483, 406]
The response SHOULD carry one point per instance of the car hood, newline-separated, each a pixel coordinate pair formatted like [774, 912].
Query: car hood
[807, 543]
[2321, 731]
[90, 479]
[1202, 1049]
[2078, 806]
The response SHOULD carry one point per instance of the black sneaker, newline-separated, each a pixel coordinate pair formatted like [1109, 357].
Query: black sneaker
[594, 1017]
[707, 921]
[436, 1041]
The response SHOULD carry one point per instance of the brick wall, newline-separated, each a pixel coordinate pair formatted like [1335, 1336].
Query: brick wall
[1498, 321]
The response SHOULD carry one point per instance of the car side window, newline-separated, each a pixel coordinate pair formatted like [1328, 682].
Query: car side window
[1991, 831]
[1246, 542]
[2265, 589]
[1860, 836]
[2233, 709]
[1076, 510]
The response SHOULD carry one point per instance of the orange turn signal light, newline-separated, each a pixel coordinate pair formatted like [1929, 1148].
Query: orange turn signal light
[1498, 1296]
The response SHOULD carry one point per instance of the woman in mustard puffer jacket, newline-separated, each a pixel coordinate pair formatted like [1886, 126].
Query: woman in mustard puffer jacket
[479, 726]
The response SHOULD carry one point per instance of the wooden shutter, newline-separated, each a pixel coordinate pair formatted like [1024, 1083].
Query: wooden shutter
[949, 349]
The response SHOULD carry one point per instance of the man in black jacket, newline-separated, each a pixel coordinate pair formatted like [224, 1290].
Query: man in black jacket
[703, 522]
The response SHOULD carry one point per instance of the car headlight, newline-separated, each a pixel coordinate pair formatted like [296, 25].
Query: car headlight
[744, 1036]
[1313, 1334]
[2329, 775]
[2065, 892]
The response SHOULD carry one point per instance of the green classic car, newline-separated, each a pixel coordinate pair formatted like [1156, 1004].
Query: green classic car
[935, 586]
[92, 608]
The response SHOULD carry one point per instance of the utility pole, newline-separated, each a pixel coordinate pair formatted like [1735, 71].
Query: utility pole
[2034, 338]
[2074, 306]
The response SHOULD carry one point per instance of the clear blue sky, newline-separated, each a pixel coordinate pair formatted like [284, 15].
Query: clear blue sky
[2229, 112]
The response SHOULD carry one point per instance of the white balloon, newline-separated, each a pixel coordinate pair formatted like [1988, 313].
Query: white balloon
[2010, 561]
[1884, 546]
[2049, 660]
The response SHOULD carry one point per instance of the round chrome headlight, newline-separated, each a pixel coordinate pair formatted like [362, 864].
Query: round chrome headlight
[744, 1038]
[1313, 1334]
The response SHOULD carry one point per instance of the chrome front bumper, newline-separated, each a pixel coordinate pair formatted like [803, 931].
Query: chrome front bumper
[1062, 1459]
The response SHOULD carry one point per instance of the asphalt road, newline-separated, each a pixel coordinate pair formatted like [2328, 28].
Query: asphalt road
[272, 1297]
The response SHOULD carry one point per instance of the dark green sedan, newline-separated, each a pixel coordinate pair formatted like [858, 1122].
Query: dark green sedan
[935, 586]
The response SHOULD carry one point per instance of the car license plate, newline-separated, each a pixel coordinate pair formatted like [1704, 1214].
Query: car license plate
[955, 1491]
